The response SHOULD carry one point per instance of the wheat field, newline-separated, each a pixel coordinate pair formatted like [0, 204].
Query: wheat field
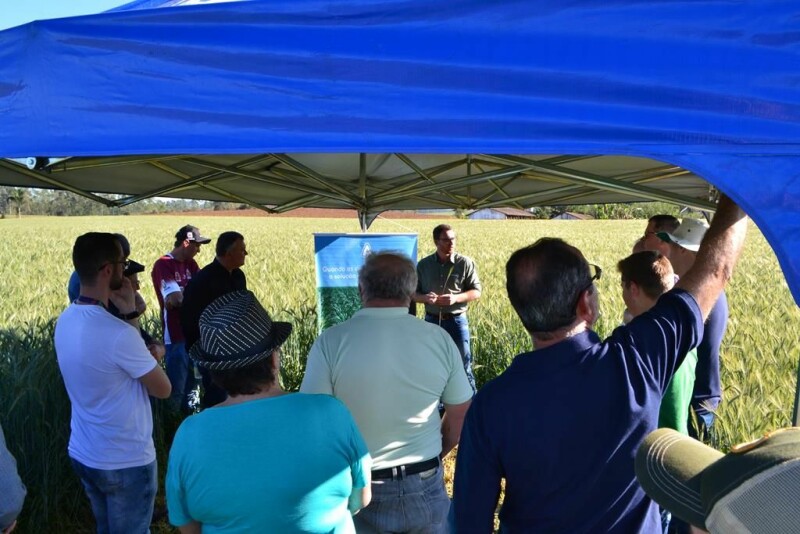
[759, 353]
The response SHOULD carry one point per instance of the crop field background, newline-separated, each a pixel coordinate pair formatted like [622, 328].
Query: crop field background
[759, 353]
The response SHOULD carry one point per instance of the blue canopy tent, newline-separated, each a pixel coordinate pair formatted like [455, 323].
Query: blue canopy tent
[412, 104]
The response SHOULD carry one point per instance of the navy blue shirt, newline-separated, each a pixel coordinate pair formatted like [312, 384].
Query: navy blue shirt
[707, 388]
[562, 425]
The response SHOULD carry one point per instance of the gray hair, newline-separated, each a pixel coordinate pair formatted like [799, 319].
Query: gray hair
[387, 275]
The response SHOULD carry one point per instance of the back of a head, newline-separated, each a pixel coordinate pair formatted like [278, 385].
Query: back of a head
[544, 281]
[387, 276]
[225, 241]
[664, 223]
[93, 250]
[650, 270]
[124, 243]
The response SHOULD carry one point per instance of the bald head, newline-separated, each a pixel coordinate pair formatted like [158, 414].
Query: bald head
[387, 276]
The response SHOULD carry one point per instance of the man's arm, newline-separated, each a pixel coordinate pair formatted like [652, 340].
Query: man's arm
[317, 378]
[449, 299]
[452, 422]
[718, 254]
[157, 383]
[476, 487]
[360, 497]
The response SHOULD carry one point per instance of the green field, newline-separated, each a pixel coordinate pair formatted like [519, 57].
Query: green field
[759, 354]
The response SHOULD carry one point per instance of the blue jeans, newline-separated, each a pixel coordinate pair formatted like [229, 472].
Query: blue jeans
[458, 328]
[122, 499]
[415, 504]
[180, 371]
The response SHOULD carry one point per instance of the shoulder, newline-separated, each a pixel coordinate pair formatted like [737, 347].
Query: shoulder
[466, 260]
[164, 262]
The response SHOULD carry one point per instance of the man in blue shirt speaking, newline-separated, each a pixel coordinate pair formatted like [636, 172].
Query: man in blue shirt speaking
[562, 424]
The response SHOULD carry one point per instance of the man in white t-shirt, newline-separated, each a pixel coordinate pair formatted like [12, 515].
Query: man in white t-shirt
[391, 370]
[108, 373]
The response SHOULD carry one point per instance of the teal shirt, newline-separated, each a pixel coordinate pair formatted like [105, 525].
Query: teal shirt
[674, 412]
[282, 464]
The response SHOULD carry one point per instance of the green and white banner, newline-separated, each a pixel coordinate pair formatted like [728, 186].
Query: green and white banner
[338, 258]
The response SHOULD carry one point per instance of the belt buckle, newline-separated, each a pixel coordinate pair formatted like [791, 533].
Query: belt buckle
[398, 472]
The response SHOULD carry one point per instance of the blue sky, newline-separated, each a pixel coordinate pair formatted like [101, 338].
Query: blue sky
[16, 12]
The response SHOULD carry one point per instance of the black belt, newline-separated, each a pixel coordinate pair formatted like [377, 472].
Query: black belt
[401, 471]
[443, 316]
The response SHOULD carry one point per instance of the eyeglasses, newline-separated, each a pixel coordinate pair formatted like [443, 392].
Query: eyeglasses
[125, 264]
[598, 272]
[447, 239]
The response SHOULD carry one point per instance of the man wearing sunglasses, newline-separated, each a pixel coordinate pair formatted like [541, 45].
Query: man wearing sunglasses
[562, 424]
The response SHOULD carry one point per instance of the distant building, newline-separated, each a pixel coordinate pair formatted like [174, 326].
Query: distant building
[501, 213]
[572, 216]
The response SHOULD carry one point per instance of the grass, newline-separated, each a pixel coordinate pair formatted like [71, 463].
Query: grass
[759, 353]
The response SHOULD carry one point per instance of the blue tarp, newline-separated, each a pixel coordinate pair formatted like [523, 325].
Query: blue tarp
[711, 86]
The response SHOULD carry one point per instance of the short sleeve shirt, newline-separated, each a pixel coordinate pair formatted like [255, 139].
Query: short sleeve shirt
[170, 275]
[281, 464]
[455, 276]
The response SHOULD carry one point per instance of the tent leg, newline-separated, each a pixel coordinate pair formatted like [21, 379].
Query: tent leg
[795, 414]
[366, 218]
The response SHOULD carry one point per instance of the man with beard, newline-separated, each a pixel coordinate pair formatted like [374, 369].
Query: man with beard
[108, 373]
[218, 278]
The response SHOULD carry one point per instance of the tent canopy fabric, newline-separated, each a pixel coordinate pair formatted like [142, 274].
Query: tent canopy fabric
[412, 104]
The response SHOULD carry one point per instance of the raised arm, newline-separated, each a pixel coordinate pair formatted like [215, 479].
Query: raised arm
[718, 254]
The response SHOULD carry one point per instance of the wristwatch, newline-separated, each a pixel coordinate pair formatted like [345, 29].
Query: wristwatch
[128, 316]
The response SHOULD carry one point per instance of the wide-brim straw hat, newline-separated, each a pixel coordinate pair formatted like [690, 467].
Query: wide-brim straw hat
[236, 331]
[753, 489]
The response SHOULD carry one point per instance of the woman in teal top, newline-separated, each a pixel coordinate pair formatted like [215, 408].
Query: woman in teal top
[263, 460]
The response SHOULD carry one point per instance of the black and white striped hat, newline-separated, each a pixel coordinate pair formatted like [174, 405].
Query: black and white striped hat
[236, 331]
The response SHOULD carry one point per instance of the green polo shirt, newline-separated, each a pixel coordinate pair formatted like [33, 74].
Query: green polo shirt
[456, 275]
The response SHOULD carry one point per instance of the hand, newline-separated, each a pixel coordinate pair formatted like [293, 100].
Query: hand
[157, 350]
[141, 305]
[447, 299]
[124, 298]
[429, 298]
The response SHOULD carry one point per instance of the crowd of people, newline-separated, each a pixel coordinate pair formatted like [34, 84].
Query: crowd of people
[386, 396]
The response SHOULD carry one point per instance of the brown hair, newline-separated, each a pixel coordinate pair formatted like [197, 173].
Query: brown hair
[650, 270]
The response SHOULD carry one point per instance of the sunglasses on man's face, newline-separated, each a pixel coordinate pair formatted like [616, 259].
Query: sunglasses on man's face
[598, 272]
[125, 264]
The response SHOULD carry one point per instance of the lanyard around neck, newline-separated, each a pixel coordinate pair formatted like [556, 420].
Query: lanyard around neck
[88, 300]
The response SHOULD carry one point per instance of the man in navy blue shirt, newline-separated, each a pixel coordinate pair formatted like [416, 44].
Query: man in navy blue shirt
[562, 424]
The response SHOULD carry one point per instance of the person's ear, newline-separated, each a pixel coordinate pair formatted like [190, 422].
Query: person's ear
[586, 310]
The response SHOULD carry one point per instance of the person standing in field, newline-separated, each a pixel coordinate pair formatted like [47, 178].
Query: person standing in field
[681, 246]
[263, 460]
[446, 283]
[108, 373]
[218, 278]
[562, 424]
[171, 273]
[391, 370]
[645, 276]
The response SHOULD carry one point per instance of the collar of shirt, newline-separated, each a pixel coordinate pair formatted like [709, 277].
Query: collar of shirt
[382, 312]
[562, 354]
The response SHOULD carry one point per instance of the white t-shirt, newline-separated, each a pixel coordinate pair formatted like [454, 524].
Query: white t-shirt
[101, 359]
[390, 369]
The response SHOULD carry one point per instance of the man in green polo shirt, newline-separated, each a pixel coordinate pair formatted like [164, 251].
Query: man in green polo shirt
[446, 283]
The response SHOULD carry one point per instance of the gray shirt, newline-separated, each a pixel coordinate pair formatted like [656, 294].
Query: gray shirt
[13, 490]
[456, 275]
